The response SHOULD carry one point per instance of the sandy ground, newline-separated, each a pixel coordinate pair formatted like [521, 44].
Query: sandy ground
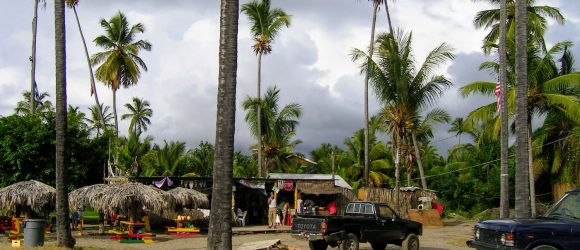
[451, 236]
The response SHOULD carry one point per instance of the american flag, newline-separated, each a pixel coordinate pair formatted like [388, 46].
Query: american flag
[498, 95]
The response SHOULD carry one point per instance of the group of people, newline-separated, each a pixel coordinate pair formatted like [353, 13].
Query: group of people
[277, 213]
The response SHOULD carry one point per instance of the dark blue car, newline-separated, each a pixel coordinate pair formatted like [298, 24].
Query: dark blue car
[559, 229]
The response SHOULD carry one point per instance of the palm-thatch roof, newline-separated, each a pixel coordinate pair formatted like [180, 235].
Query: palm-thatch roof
[28, 194]
[189, 198]
[125, 196]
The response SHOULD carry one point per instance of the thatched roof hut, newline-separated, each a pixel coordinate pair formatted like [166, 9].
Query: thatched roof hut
[125, 196]
[189, 198]
[28, 194]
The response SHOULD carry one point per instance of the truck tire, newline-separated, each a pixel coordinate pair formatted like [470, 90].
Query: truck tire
[544, 247]
[349, 242]
[411, 242]
[317, 245]
[378, 246]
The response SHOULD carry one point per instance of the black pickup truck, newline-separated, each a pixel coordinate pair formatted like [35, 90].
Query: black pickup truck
[558, 229]
[371, 222]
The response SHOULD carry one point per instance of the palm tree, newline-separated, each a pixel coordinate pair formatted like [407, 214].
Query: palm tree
[404, 89]
[220, 222]
[134, 155]
[33, 87]
[200, 160]
[376, 4]
[120, 62]
[72, 4]
[266, 23]
[523, 188]
[41, 105]
[168, 160]
[504, 186]
[278, 126]
[244, 166]
[96, 119]
[139, 113]
[458, 127]
[63, 235]
[537, 16]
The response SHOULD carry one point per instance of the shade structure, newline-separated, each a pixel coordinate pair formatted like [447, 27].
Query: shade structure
[28, 194]
[125, 196]
[189, 198]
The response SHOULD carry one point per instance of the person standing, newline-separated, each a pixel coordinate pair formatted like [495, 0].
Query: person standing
[300, 208]
[272, 211]
[285, 206]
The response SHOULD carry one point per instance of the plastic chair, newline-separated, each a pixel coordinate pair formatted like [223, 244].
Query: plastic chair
[242, 221]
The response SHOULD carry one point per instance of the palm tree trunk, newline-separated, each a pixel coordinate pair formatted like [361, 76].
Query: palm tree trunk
[504, 177]
[419, 161]
[366, 149]
[93, 86]
[220, 224]
[33, 58]
[260, 165]
[397, 173]
[531, 172]
[522, 186]
[63, 235]
[115, 111]
[388, 16]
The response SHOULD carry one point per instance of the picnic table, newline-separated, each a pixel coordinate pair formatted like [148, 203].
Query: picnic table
[183, 227]
[131, 232]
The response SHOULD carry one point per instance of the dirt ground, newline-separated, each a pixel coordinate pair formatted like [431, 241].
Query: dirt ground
[451, 236]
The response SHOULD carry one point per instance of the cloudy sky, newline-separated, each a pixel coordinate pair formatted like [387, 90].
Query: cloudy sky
[310, 61]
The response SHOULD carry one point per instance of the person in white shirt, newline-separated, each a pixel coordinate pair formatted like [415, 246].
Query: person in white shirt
[272, 211]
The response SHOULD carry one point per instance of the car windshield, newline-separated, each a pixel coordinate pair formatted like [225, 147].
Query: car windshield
[567, 207]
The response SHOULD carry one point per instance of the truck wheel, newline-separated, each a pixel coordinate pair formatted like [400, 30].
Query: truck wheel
[350, 242]
[544, 247]
[411, 242]
[317, 245]
[378, 246]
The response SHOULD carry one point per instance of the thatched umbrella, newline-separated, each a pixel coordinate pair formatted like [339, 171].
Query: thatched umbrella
[189, 198]
[33, 195]
[126, 196]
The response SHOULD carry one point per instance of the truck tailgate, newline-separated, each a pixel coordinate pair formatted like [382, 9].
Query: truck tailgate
[307, 225]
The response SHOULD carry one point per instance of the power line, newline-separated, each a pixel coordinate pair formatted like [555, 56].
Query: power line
[485, 163]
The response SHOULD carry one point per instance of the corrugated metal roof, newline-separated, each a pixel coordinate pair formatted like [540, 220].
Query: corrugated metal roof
[338, 181]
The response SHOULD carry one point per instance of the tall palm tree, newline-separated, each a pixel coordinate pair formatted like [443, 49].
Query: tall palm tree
[266, 23]
[63, 234]
[537, 16]
[365, 179]
[220, 222]
[277, 125]
[504, 177]
[523, 188]
[33, 87]
[404, 89]
[72, 4]
[95, 120]
[120, 62]
[139, 113]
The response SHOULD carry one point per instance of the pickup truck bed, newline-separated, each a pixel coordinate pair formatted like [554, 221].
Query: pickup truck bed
[376, 223]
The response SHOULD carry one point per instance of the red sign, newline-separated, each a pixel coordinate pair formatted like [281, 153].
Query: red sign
[288, 185]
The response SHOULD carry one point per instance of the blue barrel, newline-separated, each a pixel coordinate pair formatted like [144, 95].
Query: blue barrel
[34, 232]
